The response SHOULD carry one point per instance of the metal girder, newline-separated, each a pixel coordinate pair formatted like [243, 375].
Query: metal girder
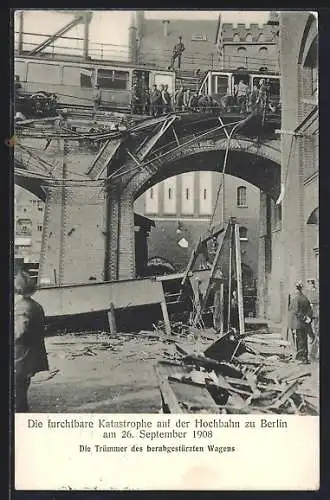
[103, 158]
[148, 145]
[58, 34]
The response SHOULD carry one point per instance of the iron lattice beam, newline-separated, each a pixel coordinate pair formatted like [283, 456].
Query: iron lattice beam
[77, 20]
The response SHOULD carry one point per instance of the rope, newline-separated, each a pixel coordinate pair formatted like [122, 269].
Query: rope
[235, 127]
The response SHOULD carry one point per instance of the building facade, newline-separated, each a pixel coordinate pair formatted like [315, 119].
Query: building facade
[151, 41]
[184, 206]
[29, 217]
[208, 44]
[252, 47]
[300, 127]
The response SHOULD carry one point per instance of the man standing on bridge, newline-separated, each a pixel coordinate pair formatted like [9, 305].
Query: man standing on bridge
[242, 91]
[177, 53]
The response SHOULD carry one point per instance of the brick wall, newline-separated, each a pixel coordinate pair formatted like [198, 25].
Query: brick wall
[302, 161]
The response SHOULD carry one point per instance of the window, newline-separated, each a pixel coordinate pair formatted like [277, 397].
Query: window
[236, 37]
[205, 194]
[169, 203]
[151, 200]
[40, 208]
[241, 196]
[111, 79]
[243, 233]
[261, 37]
[248, 37]
[263, 51]
[200, 37]
[241, 50]
[39, 228]
[188, 193]
[85, 78]
[222, 85]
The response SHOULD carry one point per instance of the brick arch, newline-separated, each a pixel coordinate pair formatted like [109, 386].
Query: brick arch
[309, 38]
[32, 185]
[258, 165]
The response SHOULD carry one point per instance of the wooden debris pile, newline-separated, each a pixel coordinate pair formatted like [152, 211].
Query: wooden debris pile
[249, 374]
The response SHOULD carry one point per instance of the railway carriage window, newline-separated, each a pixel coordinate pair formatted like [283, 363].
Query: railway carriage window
[222, 85]
[112, 79]
[86, 78]
[44, 73]
[213, 85]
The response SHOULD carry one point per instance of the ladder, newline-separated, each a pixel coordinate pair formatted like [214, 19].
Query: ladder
[227, 251]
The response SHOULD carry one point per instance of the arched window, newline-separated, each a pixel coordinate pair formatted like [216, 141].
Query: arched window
[241, 50]
[248, 37]
[243, 233]
[241, 196]
[236, 37]
[263, 51]
[261, 37]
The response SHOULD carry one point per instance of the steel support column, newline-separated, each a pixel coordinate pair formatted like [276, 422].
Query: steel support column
[111, 233]
[86, 36]
[20, 31]
[126, 240]
[72, 252]
[261, 285]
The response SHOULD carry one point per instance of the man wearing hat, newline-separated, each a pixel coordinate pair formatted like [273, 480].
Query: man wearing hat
[29, 344]
[301, 315]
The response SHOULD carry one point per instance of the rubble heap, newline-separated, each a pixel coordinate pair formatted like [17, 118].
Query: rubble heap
[247, 374]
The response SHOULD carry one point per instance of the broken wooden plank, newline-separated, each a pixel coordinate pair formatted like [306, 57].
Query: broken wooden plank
[169, 397]
[285, 395]
[224, 348]
[211, 364]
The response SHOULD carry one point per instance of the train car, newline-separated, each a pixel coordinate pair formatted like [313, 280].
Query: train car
[74, 82]
[218, 84]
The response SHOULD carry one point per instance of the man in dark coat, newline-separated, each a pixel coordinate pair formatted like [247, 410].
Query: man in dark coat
[29, 344]
[177, 53]
[300, 317]
[135, 100]
[155, 101]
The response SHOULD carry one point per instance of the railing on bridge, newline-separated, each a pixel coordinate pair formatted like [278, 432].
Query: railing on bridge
[70, 46]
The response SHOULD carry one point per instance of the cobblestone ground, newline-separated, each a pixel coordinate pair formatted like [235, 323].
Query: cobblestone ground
[96, 373]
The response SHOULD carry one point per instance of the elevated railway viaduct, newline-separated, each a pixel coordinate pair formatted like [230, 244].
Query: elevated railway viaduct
[89, 220]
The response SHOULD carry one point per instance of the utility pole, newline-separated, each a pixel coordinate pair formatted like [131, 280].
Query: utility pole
[63, 208]
[223, 198]
[86, 35]
[20, 31]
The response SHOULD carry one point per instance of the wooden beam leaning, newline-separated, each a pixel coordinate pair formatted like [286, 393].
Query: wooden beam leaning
[103, 158]
[239, 280]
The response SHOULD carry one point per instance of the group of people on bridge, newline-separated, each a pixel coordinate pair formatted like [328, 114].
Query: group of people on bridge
[158, 101]
[249, 100]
